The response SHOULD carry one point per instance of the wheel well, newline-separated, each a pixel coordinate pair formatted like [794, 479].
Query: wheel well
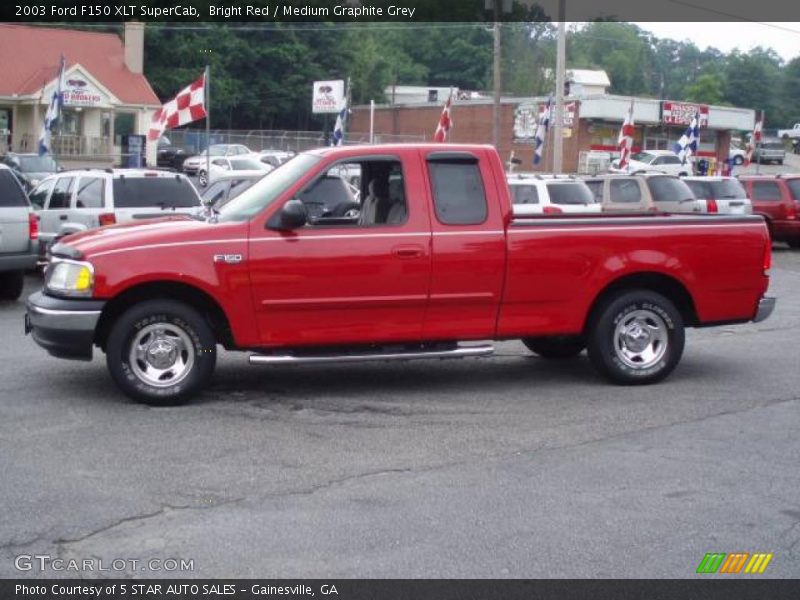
[182, 292]
[667, 286]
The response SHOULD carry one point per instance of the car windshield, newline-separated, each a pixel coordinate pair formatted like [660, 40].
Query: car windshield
[727, 189]
[267, 189]
[37, 164]
[217, 150]
[246, 164]
[164, 192]
[644, 157]
[669, 189]
[570, 193]
[772, 145]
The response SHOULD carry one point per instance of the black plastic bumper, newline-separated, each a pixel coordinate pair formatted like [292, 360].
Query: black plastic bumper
[65, 328]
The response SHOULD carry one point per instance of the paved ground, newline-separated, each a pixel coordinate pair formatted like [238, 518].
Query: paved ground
[503, 467]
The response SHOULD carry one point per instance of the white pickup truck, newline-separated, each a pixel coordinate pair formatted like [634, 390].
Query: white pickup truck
[794, 132]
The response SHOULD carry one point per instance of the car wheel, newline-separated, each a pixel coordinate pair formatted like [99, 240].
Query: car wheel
[738, 160]
[555, 347]
[161, 352]
[636, 337]
[202, 178]
[11, 285]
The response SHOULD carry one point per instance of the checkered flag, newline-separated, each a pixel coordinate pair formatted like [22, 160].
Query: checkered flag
[541, 131]
[687, 145]
[189, 105]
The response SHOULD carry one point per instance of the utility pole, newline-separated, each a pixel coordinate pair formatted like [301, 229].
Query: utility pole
[496, 73]
[561, 47]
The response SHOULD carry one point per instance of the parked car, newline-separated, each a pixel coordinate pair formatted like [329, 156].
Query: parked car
[223, 165]
[226, 188]
[646, 192]
[444, 262]
[793, 133]
[737, 155]
[274, 158]
[533, 194]
[19, 233]
[79, 200]
[194, 163]
[770, 150]
[724, 195]
[663, 161]
[777, 199]
[169, 156]
[30, 168]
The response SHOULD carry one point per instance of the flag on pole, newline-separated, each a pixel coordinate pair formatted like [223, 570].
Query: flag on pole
[338, 130]
[541, 131]
[53, 111]
[445, 122]
[755, 138]
[687, 145]
[189, 105]
[625, 140]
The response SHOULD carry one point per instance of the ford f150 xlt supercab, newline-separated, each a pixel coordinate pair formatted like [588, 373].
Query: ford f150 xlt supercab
[433, 264]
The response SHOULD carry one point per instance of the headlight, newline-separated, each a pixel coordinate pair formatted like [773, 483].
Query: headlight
[70, 278]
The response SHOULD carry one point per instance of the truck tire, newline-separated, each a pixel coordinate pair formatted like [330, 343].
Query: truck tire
[11, 284]
[636, 337]
[161, 352]
[557, 347]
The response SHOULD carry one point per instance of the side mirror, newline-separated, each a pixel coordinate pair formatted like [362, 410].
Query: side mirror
[293, 215]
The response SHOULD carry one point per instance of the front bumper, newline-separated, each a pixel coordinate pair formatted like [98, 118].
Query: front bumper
[65, 328]
[765, 307]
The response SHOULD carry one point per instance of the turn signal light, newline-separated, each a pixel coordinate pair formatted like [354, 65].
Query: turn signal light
[767, 257]
[107, 219]
[33, 227]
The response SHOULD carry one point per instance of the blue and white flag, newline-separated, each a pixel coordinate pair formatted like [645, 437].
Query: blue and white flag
[541, 131]
[338, 130]
[687, 145]
[53, 112]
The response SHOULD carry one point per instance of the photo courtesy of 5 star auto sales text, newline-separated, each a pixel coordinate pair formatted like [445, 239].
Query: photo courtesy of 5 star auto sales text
[394, 299]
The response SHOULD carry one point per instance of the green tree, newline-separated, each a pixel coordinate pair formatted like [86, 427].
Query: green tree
[706, 89]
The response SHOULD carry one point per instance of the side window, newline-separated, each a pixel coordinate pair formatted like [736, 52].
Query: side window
[61, 193]
[11, 192]
[39, 195]
[700, 189]
[625, 190]
[458, 194]
[91, 193]
[597, 189]
[766, 190]
[524, 194]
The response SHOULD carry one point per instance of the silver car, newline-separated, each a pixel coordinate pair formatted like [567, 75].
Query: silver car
[770, 150]
[19, 246]
[723, 195]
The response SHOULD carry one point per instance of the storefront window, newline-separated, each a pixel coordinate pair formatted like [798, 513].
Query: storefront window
[70, 122]
[123, 125]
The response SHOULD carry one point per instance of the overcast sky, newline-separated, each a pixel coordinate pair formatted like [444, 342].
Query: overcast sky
[784, 38]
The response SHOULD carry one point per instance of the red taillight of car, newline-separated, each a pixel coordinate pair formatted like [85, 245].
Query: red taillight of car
[33, 227]
[791, 211]
[107, 219]
[767, 257]
[552, 210]
[711, 206]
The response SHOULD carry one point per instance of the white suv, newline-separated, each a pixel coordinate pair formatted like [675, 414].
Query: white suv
[534, 194]
[18, 235]
[79, 200]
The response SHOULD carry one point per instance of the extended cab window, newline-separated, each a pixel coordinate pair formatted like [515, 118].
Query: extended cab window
[11, 193]
[138, 192]
[458, 194]
[766, 190]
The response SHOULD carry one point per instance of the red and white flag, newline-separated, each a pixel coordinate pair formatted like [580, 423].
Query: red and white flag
[755, 138]
[445, 122]
[625, 140]
[189, 105]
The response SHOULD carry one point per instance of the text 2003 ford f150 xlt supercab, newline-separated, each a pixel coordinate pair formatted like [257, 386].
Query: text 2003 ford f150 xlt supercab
[434, 258]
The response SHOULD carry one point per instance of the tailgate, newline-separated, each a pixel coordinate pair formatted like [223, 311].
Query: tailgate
[14, 230]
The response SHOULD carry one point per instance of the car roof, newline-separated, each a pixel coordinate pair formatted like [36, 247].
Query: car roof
[121, 172]
[707, 177]
[659, 152]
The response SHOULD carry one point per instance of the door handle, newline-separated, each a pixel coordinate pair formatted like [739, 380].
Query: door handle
[408, 251]
[63, 217]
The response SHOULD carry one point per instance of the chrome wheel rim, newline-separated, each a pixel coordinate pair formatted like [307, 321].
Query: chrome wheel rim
[161, 355]
[641, 339]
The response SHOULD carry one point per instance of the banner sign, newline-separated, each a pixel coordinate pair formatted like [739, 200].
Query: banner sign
[681, 113]
[526, 117]
[327, 96]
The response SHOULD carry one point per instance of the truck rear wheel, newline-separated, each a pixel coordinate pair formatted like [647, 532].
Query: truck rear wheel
[636, 337]
[161, 352]
[555, 347]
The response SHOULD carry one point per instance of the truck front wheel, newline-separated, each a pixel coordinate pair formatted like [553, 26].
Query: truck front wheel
[161, 352]
[636, 337]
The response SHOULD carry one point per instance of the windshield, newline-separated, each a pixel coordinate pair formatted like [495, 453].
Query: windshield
[570, 193]
[644, 157]
[669, 189]
[247, 164]
[267, 189]
[37, 164]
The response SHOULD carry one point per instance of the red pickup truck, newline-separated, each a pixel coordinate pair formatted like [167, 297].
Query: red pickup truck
[433, 258]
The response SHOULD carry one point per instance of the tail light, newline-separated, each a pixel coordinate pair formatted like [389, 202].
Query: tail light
[107, 219]
[552, 210]
[767, 257]
[33, 227]
[791, 211]
[711, 205]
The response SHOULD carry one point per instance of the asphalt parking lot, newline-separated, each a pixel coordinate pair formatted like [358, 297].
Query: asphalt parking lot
[504, 467]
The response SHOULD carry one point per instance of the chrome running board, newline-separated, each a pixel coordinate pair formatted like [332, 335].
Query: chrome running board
[316, 359]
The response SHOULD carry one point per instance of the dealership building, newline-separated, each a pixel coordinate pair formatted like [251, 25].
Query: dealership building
[592, 120]
[107, 96]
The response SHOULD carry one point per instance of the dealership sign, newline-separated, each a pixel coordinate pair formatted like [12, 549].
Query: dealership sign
[79, 92]
[327, 96]
[527, 116]
[682, 113]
